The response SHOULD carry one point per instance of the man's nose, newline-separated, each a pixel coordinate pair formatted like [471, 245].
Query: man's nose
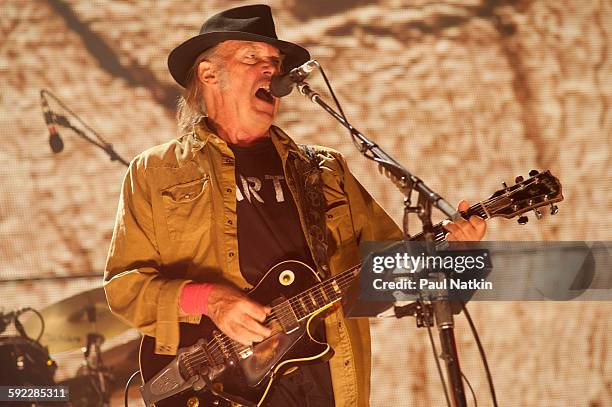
[269, 68]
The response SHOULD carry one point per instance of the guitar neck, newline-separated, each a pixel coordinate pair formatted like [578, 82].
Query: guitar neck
[329, 291]
[439, 232]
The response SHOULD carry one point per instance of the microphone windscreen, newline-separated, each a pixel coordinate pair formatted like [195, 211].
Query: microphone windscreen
[56, 143]
[281, 85]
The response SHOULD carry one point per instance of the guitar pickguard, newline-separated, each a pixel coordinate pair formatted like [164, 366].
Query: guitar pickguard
[267, 354]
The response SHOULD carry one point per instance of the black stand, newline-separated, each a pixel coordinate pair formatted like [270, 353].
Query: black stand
[441, 307]
[63, 121]
[427, 198]
[444, 321]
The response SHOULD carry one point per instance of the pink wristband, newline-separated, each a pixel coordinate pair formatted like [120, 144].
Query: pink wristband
[194, 298]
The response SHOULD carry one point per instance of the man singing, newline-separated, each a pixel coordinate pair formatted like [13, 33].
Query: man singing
[203, 217]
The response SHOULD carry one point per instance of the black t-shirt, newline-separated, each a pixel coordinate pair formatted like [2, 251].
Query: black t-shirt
[269, 229]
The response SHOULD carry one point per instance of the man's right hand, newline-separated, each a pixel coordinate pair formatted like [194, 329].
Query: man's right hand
[237, 316]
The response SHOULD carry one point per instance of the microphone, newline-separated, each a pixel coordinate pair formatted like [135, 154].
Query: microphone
[282, 85]
[55, 141]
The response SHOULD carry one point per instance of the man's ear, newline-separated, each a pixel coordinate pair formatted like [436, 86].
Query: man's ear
[207, 72]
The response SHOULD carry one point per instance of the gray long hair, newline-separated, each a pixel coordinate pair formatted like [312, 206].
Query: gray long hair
[190, 106]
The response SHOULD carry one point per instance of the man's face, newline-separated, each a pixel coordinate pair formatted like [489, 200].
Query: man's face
[240, 92]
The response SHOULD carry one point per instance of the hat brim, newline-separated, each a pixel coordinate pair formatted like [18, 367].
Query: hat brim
[182, 58]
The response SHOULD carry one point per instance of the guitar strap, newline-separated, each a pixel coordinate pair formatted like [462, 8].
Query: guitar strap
[309, 187]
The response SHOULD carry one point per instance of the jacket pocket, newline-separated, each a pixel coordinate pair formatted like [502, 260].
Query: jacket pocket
[338, 221]
[188, 208]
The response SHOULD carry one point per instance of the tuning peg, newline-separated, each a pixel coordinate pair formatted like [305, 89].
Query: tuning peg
[504, 185]
[554, 209]
[538, 214]
[533, 173]
[519, 179]
[523, 220]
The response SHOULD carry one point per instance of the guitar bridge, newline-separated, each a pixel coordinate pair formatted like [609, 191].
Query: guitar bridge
[245, 353]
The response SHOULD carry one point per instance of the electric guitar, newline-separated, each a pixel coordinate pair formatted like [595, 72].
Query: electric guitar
[210, 368]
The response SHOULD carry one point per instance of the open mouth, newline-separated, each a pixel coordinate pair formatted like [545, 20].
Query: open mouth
[264, 94]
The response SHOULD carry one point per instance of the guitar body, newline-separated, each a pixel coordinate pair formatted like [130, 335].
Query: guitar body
[250, 373]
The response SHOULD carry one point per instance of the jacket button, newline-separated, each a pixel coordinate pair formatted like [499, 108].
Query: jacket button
[347, 362]
[229, 190]
[229, 222]
[231, 254]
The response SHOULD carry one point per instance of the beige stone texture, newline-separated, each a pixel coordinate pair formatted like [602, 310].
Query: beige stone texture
[466, 94]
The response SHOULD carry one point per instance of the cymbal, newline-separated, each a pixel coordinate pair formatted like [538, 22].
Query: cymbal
[68, 322]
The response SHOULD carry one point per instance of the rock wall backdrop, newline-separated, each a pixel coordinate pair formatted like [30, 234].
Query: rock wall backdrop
[466, 93]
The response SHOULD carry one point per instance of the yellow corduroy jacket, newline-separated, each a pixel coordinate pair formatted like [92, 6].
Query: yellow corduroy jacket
[176, 223]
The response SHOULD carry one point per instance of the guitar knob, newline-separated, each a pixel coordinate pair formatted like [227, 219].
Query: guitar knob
[193, 402]
[538, 214]
[504, 185]
[533, 173]
[523, 220]
[554, 209]
[519, 179]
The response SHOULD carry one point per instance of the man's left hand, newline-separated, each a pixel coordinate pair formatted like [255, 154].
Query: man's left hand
[471, 230]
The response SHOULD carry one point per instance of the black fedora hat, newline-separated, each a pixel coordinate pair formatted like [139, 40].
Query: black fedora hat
[247, 23]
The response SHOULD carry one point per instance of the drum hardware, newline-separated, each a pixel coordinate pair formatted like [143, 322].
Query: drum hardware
[93, 382]
[81, 321]
[24, 361]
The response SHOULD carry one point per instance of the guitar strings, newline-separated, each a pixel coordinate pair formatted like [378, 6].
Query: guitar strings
[228, 342]
[215, 348]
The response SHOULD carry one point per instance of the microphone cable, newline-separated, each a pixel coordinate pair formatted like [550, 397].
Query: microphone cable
[471, 389]
[483, 356]
[40, 317]
[361, 147]
[127, 388]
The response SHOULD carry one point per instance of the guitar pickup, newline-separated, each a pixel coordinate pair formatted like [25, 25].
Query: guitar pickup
[284, 314]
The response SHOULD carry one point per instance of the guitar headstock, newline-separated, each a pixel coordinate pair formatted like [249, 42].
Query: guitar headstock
[539, 190]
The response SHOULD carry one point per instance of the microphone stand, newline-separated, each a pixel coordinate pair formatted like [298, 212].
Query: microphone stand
[427, 199]
[63, 121]
[394, 170]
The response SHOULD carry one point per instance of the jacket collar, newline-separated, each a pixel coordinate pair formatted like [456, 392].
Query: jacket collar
[203, 135]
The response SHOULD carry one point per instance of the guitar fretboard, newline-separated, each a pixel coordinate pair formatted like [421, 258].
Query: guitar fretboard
[329, 291]
[322, 295]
